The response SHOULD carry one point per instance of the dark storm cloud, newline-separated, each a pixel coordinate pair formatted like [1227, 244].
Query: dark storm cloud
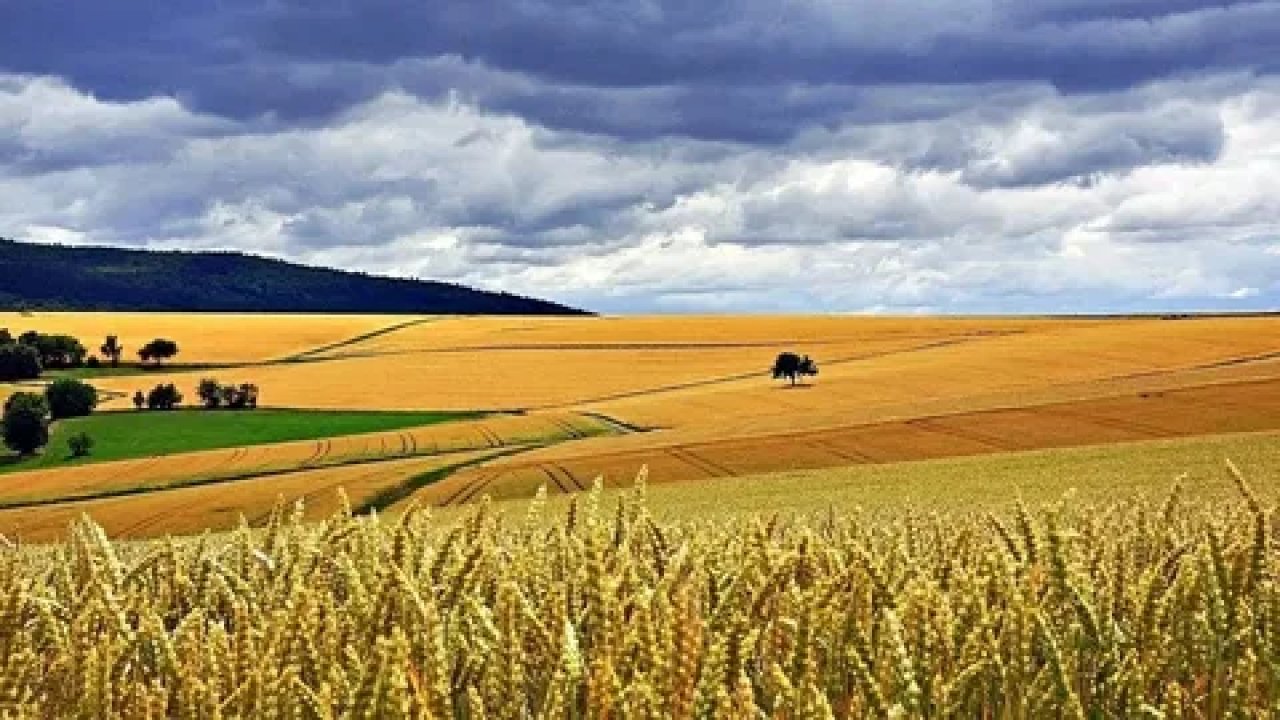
[976, 155]
[753, 71]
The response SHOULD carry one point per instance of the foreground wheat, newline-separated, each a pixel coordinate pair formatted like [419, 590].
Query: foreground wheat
[1133, 610]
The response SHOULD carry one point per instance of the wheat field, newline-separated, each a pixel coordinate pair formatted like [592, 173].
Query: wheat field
[205, 338]
[192, 492]
[688, 396]
[1165, 609]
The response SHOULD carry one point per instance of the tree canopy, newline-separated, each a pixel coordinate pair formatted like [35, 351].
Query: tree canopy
[26, 427]
[158, 350]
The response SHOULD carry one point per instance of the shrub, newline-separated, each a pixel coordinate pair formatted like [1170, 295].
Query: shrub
[80, 445]
[26, 428]
[164, 397]
[69, 398]
[93, 362]
[19, 362]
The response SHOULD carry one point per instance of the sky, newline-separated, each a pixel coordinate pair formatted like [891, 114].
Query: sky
[628, 156]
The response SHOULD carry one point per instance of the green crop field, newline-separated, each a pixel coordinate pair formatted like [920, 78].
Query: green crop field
[126, 435]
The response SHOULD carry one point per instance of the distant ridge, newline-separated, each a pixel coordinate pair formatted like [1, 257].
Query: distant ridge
[55, 277]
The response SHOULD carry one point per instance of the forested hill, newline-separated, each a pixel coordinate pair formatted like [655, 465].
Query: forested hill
[53, 277]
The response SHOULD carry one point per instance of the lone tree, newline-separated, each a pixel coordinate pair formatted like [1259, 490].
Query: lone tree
[26, 428]
[112, 350]
[70, 398]
[158, 350]
[139, 400]
[792, 367]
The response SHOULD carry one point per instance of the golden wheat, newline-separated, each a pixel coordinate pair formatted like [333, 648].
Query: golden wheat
[1127, 610]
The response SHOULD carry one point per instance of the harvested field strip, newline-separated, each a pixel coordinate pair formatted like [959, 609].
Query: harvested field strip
[1086, 422]
[713, 468]
[1142, 430]
[219, 506]
[851, 456]
[45, 487]
[929, 425]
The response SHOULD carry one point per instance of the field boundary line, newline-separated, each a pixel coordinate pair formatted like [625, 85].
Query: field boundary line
[306, 355]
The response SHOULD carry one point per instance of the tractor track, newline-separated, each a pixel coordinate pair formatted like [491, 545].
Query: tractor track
[546, 470]
[853, 456]
[713, 469]
[1140, 429]
[930, 425]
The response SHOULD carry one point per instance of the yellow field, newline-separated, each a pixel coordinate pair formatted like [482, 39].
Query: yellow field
[1097, 474]
[210, 338]
[1187, 412]
[220, 506]
[690, 397]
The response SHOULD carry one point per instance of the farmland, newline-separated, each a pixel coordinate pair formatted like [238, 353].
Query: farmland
[441, 517]
[36, 502]
[128, 435]
[688, 397]
[1160, 607]
[207, 339]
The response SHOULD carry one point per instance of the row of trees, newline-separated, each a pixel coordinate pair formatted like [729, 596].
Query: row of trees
[28, 355]
[213, 396]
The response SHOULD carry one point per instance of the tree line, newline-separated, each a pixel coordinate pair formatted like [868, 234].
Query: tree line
[27, 416]
[27, 356]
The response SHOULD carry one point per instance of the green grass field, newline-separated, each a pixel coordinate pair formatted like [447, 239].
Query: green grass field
[125, 435]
